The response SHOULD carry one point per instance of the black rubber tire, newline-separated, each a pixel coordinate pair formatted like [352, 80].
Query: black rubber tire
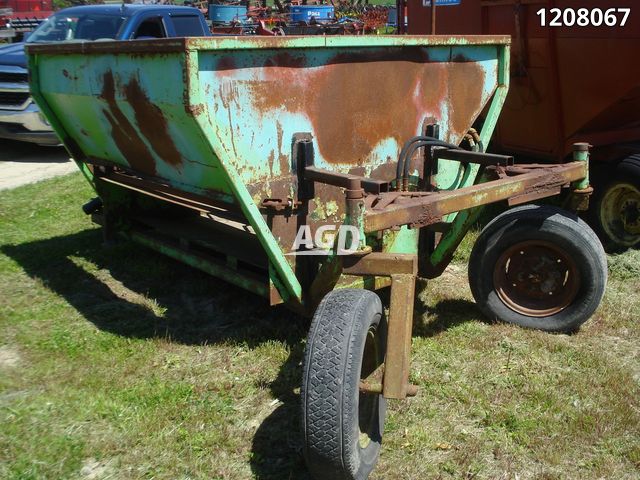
[630, 166]
[626, 175]
[542, 225]
[330, 393]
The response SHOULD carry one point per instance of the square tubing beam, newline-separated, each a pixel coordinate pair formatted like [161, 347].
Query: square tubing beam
[402, 268]
[395, 383]
[420, 211]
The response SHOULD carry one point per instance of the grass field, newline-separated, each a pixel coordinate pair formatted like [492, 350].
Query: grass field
[118, 363]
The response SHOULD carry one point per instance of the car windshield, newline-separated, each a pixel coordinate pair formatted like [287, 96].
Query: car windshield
[90, 26]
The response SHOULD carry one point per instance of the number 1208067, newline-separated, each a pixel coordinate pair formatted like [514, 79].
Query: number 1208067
[583, 17]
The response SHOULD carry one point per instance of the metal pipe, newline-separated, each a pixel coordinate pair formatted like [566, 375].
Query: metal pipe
[581, 154]
[418, 144]
[433, 17]
[403, 153]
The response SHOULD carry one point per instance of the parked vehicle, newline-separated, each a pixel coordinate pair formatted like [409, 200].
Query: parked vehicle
[19, 17]
[20, 118]
[265, 162]
[569, 83]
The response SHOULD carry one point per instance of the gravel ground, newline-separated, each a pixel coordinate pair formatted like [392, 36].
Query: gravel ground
[22, 163]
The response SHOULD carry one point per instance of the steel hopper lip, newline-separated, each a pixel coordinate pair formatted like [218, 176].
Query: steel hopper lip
[173, 45]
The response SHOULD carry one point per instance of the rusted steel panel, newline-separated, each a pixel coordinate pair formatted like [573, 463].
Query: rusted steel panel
[217, 117]
[356, 130]
[255, 93]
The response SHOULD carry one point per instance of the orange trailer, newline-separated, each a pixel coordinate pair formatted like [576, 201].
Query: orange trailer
[569, 83]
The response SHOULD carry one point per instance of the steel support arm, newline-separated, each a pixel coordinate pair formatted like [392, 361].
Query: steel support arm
[425, 209]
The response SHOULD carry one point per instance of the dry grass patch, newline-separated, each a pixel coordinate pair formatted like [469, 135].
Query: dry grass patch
[132, 366]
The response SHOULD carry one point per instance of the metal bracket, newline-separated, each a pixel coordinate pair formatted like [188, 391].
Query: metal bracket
[345, 180]
[302, 155]
[467, 156]
[280, 204]
[578, 200]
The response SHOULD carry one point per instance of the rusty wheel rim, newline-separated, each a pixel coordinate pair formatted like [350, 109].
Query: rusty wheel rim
[620, 214]
[536, 278]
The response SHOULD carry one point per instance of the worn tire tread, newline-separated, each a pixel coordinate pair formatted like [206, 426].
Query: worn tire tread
[326, 362]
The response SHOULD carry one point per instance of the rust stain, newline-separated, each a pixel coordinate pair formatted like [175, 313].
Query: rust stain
[225, 63]
[227, 96]
[283, 157]
[124, 134]
[366, 101]
[151, 128]
[354, 101]
[428, 216]
[152, 123]
[286, 59]
[358, 99]
[270, 161]
[196, 110]
[66, 73]
[225, 67]
[466, 80]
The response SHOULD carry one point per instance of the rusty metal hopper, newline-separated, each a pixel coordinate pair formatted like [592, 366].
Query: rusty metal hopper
[216, 117]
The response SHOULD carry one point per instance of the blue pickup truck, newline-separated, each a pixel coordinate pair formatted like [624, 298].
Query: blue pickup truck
[20, 118]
